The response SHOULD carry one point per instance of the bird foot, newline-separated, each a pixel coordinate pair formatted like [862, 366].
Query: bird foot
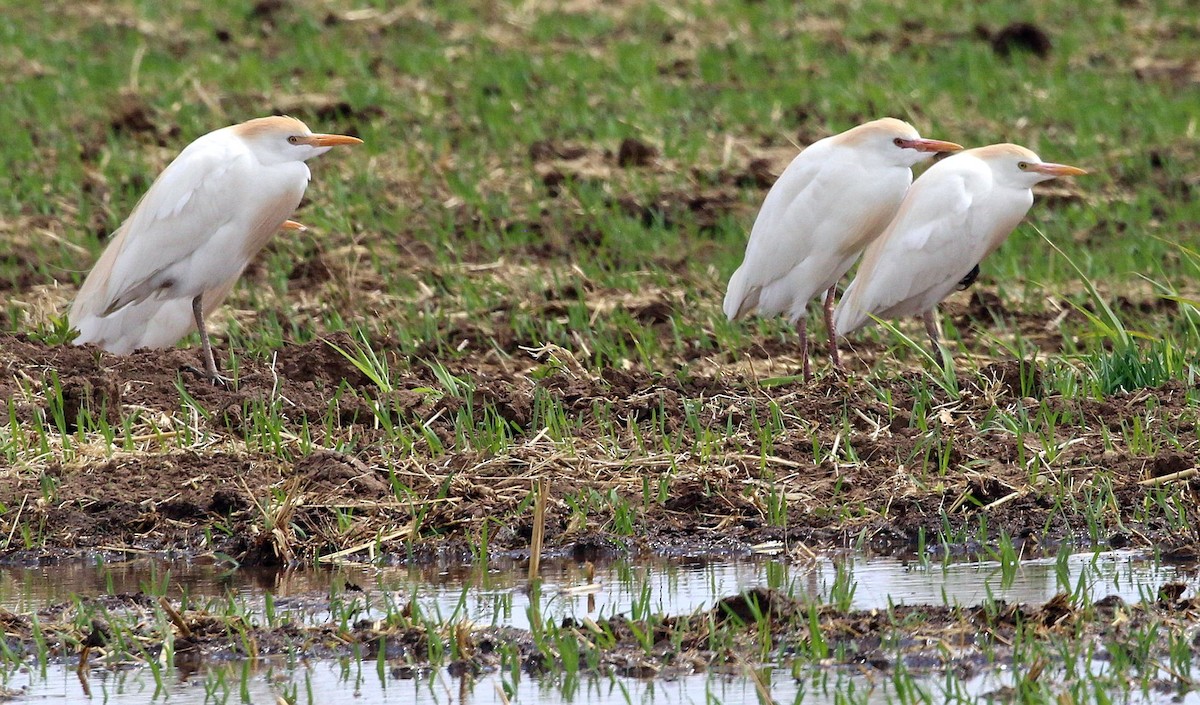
[217, 380]
[837, 373]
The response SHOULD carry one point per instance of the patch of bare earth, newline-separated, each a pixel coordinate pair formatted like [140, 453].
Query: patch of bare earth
[195, 470]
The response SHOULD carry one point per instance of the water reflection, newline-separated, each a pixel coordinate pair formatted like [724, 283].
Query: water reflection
[497, 594]
[325, 682]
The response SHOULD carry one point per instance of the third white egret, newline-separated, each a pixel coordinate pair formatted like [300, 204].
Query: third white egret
[954, 216]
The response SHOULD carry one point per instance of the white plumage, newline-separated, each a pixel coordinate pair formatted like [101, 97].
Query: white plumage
[954, 216]
[192, 234]
[832, 201]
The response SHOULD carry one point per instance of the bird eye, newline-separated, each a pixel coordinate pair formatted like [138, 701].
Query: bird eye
[296, 140]
[1022, 165]
[898, 142]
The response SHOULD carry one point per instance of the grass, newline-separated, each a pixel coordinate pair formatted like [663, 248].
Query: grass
[491, 272]
[540, 69]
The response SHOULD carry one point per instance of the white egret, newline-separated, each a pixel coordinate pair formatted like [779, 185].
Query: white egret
[956, 214]
[157, 322]
[192, 234]
[832, 201]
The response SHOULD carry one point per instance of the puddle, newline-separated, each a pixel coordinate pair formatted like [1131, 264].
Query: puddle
[497, 595]
[26, 589]
[336, 682]
[684, 586]
[359, 682]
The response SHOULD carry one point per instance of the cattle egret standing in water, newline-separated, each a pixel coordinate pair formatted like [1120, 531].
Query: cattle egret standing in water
[832, 201]
[180, 251]
[956, 214]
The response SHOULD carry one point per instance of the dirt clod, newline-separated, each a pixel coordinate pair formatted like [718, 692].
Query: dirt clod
[266, 9]
[758, 174]
[341, 474]
[749, 606]
[96, 396]
[132, 114]
[634, 152]
[1021, 36]
[546, 150]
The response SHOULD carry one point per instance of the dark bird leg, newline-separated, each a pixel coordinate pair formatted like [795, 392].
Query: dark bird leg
[969, 279]
[802, 325]
[833, 346]
[931, 327]
[210, 362]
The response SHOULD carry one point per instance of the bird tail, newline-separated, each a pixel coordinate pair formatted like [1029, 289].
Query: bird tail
[738, 300]
[149, 323]
[849, 316]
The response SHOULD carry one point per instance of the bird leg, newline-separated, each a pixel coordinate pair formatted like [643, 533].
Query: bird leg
[829, 327]
[931, 327]
[210, 362]
[802, 324]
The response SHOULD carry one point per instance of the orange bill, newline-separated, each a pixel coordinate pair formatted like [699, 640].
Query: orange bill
[924, 145]
[1052, 169]
[332, 140]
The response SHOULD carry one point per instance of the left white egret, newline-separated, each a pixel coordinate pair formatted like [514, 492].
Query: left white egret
[157, 322]
[832, 200]
[956, 214]
[187, 241]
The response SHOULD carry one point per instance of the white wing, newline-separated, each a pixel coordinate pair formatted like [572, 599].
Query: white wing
[937, 236]
[773, 238]
[813, 222]
[149, 323]
[193, 232]
[187, 203]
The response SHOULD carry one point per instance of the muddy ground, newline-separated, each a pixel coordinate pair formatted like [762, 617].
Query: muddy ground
[732, 637]
[306, 458]
[199, 477]
[202, 473]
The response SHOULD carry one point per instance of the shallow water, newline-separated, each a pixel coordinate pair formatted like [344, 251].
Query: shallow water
[327, 682]
[497, 595]
[333, 682]
[680, 587]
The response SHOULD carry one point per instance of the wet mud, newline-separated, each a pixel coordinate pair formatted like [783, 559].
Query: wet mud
[964, 640]
[660, 463]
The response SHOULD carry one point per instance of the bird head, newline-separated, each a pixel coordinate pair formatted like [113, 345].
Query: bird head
[1020, 167]
[280, 138]
[895, 142]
